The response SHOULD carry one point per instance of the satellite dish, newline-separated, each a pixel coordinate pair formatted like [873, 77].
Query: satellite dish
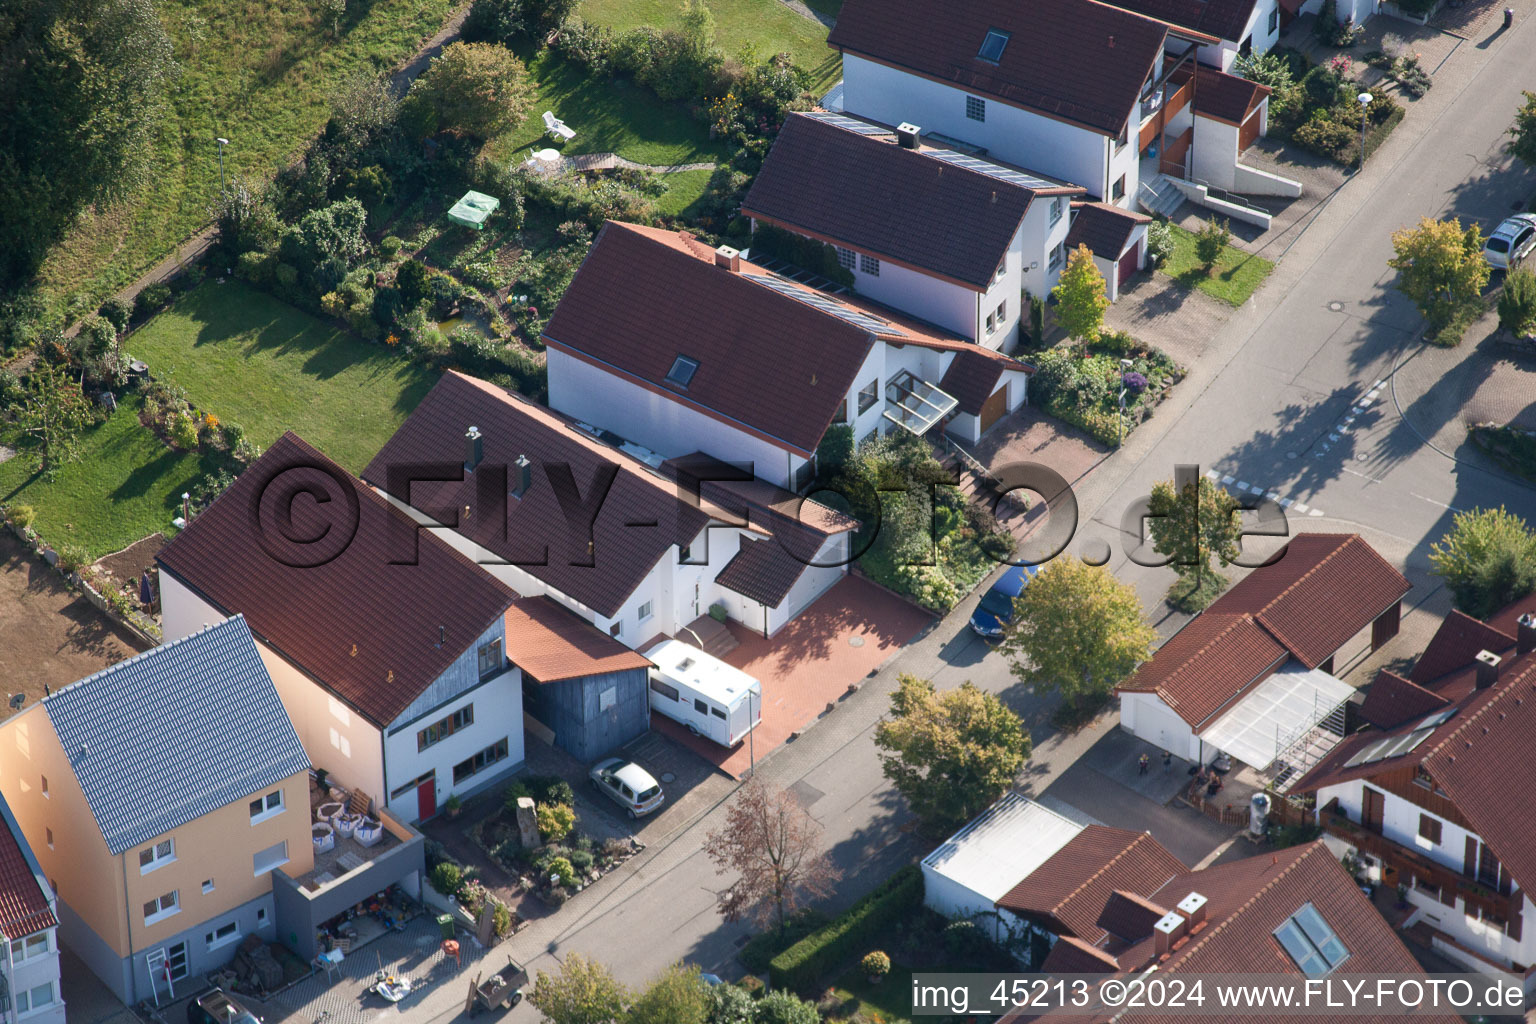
[17, 700]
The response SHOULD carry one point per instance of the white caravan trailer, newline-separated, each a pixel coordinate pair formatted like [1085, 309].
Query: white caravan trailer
[710, 697]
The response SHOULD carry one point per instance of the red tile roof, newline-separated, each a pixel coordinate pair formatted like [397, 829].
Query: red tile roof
[1246, 901]
[1226, 97]
[1392, 700]
[1074, 60]
[363, 626]
[550, 643]
[1322, 590]
[1070, 890]
[1208, 664]
[1105, 229]
[1454, 646]
[640, 517]
[1071, 955]
[769, 361]
[1129, 916]
[910, 207]
[1225, 19]
[24, 907]
[971, 379]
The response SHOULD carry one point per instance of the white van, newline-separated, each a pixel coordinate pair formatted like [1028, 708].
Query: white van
[710, 697]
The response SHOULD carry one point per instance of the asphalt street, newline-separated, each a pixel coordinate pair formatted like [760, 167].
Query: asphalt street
[1262, 407]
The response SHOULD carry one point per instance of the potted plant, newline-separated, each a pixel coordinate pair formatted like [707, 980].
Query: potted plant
[876, 965]
[453, 805]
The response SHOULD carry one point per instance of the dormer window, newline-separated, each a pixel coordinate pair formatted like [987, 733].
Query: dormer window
[682, 371]
[992, 46]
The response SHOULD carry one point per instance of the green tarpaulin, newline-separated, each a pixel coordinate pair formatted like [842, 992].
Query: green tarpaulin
[474, 209]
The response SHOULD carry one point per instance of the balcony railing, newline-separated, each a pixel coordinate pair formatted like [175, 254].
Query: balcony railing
[1410, 863]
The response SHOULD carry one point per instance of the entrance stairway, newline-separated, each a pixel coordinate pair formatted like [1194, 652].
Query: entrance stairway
[710, 636]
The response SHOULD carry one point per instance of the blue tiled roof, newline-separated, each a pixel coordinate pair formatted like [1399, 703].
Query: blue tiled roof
[176, 732]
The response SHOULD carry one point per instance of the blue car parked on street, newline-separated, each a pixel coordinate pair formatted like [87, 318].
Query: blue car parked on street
[995, 611]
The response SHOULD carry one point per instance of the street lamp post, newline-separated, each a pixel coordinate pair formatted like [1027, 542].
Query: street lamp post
[1365, 103]
[222, 143]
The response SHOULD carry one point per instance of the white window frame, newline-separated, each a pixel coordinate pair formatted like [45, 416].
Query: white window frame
[26, 948]
[257, 817]
[208, 886]
[1002, 312]
[213, 940]
[160, 915]
[1057, 258]
[32, 1006]
[991, 323]
[645, 611]
[264, 867]
[1002, 268]
[491, 648]
[1056, 205]
[157, 860]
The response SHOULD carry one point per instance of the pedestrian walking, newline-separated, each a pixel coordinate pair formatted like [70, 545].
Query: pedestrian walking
[1142, 763]
[1167, 761]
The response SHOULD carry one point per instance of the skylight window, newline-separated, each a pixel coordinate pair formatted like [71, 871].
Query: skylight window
[682, 371]
[992, 46]
[1311, 943]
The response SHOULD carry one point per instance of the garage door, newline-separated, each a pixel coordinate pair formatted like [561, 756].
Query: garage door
[1250, 130]
[1128, 264]
[994, 407]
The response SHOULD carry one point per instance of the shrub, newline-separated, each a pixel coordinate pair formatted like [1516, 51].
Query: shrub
[501, 919]
[1322, 87]
[802, 964]
[117, 312]
[95, 336]
[1210, 240]
[561, 871]
[555, 821]
[255, 267]
[1159, 242]
[876, 963]
[1517, 303]
[1323, 135]
[334, 304]
[1119, 342]
[72, 558]
[360, 319]
[476, 89]
[390, 246]
[151, 299]
[23, 515]
[183, 431]
[582, 860]
[286, 274]
[1411, 76]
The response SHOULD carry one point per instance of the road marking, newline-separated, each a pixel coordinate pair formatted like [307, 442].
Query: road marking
[1242, 485]
[1286, 502]
[1273, 495]
[1227, 479]
[1432, 501]
[1212, 474]
[1300, 507]
[1315, 512]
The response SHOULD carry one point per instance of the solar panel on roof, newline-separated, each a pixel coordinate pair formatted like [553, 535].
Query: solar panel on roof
[850, 124]
[1396, 746]
[990, 169]
[864, 321]
[1437, 719]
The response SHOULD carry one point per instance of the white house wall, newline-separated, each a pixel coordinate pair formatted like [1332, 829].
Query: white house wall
[1011, 134]
[498, 713]
[1213, 153]
[1038, 236]
[1145, 716]
[829, 567]
[41, 969]
[945, 303]
[594, 395]
[1400, 824]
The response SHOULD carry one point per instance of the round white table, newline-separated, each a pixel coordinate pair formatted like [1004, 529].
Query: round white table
[547, 155]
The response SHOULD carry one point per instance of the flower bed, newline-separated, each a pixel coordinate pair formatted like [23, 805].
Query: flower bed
[1083, 387]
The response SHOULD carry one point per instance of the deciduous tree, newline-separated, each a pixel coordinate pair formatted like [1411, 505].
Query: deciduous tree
[1517, 302]
[51, 414]
[781, 1007]
[1081, 298]
[1190, 524]
[1524, 131]
[478, 89]
[1440, 266]
[676, 996]
[774, 846]
[82, 84]
[1077, 630]
[950, 754]
[584, 992]
[1487, 560]
[1213, 237]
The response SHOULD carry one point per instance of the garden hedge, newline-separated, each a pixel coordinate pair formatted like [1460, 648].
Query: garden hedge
[850, 934]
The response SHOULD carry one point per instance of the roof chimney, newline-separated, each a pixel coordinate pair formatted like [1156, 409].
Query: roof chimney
[473, 451]
[906, 134]
[1168, 930]
[1525, 633]
[1192, 908]
[524, 476]
[1487, 669]
[729, 258]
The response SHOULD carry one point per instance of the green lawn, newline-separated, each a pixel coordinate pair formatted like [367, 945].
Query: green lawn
[609, 115]
[683, 190]
[891, 999]
[250, 359]
[260, 76]
[767, 24]
[1235, 277]
[126, 486]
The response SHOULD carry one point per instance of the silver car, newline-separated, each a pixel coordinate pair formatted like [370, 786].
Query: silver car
[1511, 241]
[628, 785]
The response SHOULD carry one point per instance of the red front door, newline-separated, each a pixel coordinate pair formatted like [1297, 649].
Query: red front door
[426, 799]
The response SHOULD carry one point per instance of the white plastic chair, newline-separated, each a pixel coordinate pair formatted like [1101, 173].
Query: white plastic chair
[557, 127]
